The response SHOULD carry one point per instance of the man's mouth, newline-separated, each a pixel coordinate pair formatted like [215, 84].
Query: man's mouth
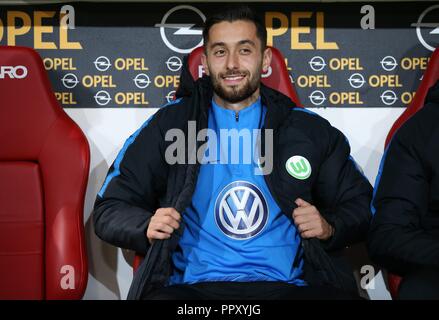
[233, 79]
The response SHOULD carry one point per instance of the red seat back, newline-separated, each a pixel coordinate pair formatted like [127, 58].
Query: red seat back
[44, 165]
[430, 77]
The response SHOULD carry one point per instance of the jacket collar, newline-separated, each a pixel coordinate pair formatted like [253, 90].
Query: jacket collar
[278, 106]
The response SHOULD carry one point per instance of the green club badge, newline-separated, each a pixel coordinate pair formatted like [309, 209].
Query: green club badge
[299, 167]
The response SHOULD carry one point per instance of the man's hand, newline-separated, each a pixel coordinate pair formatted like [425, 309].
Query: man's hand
[309, 221]
[162, 224]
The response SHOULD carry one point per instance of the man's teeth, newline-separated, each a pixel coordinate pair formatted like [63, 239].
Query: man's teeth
[234, 77]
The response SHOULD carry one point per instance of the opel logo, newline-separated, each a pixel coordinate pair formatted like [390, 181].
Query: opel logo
[317, 63]
[102, 63]
[388, 97]
[431, 25]
[142, 81]
[388, 63]
[182, 29]
[102, 98]
[174, 63]
[70, 80]
[317, 97]
[170, 96]
[356, 80]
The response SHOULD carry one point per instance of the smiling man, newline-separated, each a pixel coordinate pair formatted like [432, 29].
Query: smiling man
[217, 229]
[235, 58]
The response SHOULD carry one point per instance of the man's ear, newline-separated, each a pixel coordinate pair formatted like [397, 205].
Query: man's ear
[266, 59]
[204, 62]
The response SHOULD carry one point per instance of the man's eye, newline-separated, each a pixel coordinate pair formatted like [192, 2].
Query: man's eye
[219, 53]
[245, 51]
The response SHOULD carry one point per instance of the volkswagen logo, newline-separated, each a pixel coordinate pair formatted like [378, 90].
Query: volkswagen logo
[241, 210]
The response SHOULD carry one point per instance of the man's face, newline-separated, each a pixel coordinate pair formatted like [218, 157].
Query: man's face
[235, 61]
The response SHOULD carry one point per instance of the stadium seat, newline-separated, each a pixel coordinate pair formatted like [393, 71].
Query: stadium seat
[44, 167]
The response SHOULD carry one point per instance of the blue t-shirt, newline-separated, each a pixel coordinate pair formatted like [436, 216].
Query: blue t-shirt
[234, 230]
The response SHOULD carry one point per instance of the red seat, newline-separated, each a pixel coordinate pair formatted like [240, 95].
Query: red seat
[276, 78]
[44, 166]
[431, 76]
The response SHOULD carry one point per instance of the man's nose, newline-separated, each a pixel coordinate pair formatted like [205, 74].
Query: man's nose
[232, 61]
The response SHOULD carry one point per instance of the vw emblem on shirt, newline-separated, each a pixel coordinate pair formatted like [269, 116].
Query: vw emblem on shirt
[241, 210]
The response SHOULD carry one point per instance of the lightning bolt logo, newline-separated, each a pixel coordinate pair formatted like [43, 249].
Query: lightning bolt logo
[435, 31]
[182, 29]
[356, 80]
[142, 81]
[174, 63]
[102, 98]
[388, 97]
[420, 25]
[69, 80]
[317, 97]
[102, 63]
[388, 63]
[317, 63]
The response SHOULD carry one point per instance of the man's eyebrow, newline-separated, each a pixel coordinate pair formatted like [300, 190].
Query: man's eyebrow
[221, 44]
[250, 42]
[241, 42]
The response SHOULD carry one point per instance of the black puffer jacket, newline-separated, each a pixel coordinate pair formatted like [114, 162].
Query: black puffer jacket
[404, 235]
[140, 181]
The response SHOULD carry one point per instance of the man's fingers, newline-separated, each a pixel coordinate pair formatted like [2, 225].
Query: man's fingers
[174, 224]
[163, 223]
[158, 235]
[308, 234]
[171, 221]
[299, 219]
[172, 213]
[163, 228]
[167, 215]
[302, 203]
[158, 225]
[300, 211]
[305, 227]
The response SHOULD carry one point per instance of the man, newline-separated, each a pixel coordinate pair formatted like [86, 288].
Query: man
[220, 228]
[404, 236]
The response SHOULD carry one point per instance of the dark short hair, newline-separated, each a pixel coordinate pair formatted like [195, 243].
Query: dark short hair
[234, 13]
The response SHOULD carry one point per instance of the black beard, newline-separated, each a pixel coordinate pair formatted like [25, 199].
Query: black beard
[235, 95]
